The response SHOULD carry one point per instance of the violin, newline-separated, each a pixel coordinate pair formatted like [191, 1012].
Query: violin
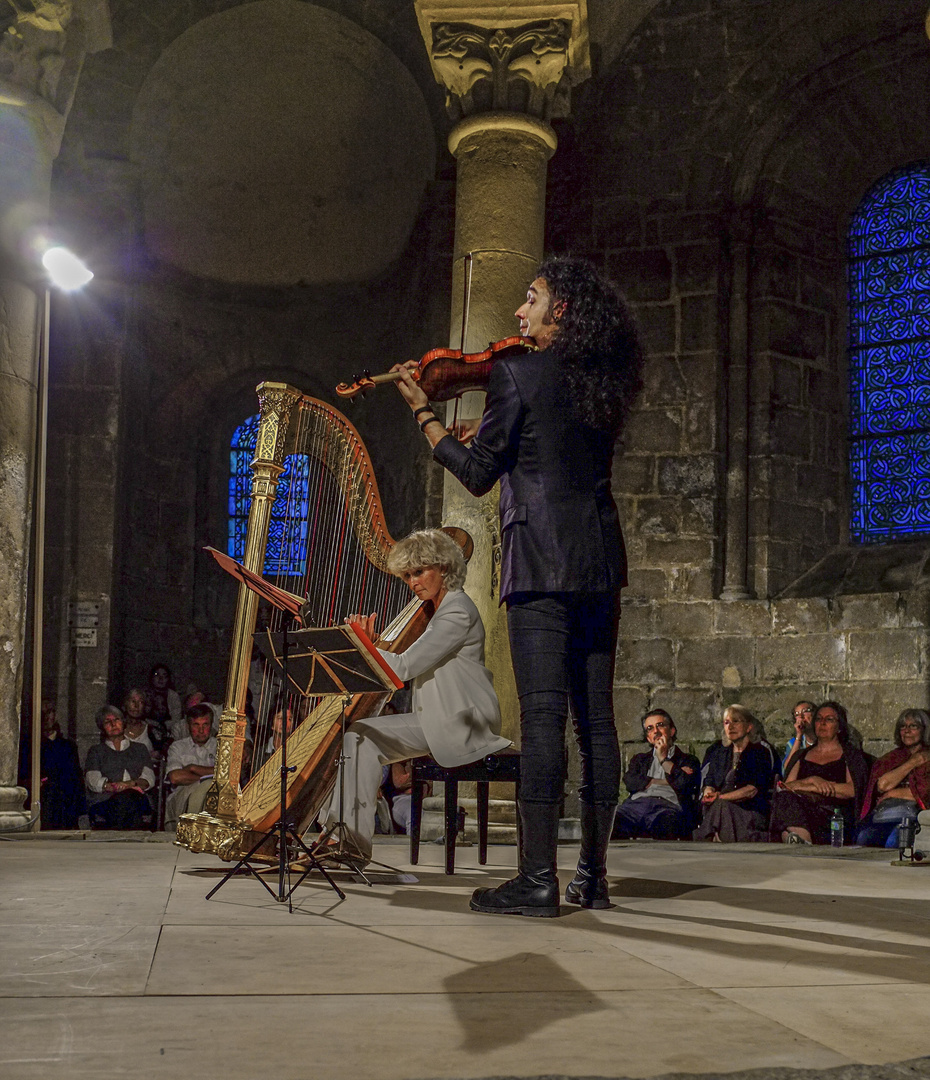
[444, 374]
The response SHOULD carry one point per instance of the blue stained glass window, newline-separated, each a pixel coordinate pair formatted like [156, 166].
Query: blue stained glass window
[286, 553]
[889, 335]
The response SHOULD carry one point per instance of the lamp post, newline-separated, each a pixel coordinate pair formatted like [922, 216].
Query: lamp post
[66, 272]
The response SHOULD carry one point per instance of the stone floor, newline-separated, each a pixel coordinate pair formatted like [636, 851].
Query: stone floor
[712, 960]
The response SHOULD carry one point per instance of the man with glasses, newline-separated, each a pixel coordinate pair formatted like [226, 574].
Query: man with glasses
[803, 715]
[663, 783]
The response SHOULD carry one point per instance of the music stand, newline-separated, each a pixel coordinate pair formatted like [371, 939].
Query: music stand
[283, 829]
[335, 660]
[366, 670]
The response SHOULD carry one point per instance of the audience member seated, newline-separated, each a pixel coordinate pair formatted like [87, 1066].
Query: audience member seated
[273, 742]
[899, 786]
[803, 716]
[759, 736]
[829, 775]
[135, 714]
[397, 790]
[62, 791]
[664, 784]
[245, 770]
[737, 777]
[190, 766]
[117, 773]
[166, 720]
[198, 697]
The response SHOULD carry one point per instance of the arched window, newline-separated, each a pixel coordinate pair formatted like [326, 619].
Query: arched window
[286, 554]
[889, 332]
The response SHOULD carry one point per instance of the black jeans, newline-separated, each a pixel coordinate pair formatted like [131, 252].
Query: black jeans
[563, 647]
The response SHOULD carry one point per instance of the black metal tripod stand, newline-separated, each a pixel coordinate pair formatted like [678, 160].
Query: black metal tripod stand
[283, 829]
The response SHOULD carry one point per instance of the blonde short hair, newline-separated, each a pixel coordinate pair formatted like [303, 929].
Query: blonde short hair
[756, 734]
[429, 547]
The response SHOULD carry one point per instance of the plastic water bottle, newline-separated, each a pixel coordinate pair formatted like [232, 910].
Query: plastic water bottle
[836, 828]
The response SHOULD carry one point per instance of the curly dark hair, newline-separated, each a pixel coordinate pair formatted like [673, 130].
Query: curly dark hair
[597, 343]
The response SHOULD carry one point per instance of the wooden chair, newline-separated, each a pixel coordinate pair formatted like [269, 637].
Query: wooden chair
[504, 766]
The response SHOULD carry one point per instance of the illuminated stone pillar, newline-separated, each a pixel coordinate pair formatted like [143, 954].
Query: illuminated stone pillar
[507, 70]
[42, 47]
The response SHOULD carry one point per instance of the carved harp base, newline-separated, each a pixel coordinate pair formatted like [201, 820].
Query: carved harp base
[228, 840]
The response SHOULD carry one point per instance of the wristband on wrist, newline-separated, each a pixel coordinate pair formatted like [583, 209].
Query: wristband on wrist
[429, 420]
[422, 409]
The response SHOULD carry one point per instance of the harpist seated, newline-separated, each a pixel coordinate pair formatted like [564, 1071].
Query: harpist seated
[455, 713]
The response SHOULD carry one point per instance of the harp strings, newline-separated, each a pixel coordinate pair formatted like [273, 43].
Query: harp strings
[342, 574]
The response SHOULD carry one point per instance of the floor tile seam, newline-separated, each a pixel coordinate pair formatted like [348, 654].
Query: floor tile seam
[393, 995]
[787, 1027]
[152, 956]
[387, 995]
[831, 985]
[689, 987]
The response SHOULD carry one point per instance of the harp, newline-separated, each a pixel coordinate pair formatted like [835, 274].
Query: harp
[347, 545]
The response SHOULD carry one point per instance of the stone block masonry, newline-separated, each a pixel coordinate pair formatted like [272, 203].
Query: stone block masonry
[695, 657]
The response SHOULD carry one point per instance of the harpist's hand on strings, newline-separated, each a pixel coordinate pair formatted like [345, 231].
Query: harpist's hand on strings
[367, 621]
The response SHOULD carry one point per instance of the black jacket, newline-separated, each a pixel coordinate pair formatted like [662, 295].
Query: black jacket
[559, 525]
[757, 766]
[687, 786]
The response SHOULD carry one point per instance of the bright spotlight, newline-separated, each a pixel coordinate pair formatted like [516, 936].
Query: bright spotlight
[65, 270]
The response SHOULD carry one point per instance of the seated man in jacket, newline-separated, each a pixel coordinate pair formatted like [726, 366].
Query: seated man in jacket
[664, 783]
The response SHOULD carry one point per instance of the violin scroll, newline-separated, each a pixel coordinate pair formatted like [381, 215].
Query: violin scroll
[367, 381]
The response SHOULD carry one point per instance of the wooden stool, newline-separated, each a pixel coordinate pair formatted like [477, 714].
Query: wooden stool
[503, 766]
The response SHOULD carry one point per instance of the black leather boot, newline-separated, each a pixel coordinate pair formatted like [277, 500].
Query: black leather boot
[535, 889]
[589, 885]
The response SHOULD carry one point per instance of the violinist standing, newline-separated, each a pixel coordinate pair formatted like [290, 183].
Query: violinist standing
[550, 423]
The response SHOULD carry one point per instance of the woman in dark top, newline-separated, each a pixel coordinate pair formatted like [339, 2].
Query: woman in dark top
[550, 423]
[736, 782]
[830, 774]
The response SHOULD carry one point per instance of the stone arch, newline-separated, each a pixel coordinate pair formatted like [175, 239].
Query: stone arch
[280, 143]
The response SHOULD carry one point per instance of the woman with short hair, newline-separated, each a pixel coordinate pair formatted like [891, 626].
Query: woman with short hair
[117, 773]
[899, 787]
[455, 714]
[736, 777]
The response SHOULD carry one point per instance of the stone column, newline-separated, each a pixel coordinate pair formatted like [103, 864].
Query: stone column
[42, 47]
[507, 70]
[736, 532]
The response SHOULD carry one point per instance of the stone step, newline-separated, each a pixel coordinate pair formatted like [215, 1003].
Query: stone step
[500, 811]
[433, 827]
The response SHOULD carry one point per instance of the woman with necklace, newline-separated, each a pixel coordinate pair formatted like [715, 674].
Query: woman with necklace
[737, 777]
[828, 776]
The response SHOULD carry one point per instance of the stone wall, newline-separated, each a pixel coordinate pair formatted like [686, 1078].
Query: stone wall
[719, 123]
[147, 393]
[723, 124]
[797, 457]
[693, 658]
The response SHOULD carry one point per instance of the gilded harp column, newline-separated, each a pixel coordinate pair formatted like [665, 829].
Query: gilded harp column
[507, 70]
[206, 831]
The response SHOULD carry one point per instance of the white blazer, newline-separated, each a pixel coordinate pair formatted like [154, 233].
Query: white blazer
[453, 692]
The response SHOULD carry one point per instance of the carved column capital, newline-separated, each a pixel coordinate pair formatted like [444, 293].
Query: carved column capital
[515, 57]
[42, 48]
